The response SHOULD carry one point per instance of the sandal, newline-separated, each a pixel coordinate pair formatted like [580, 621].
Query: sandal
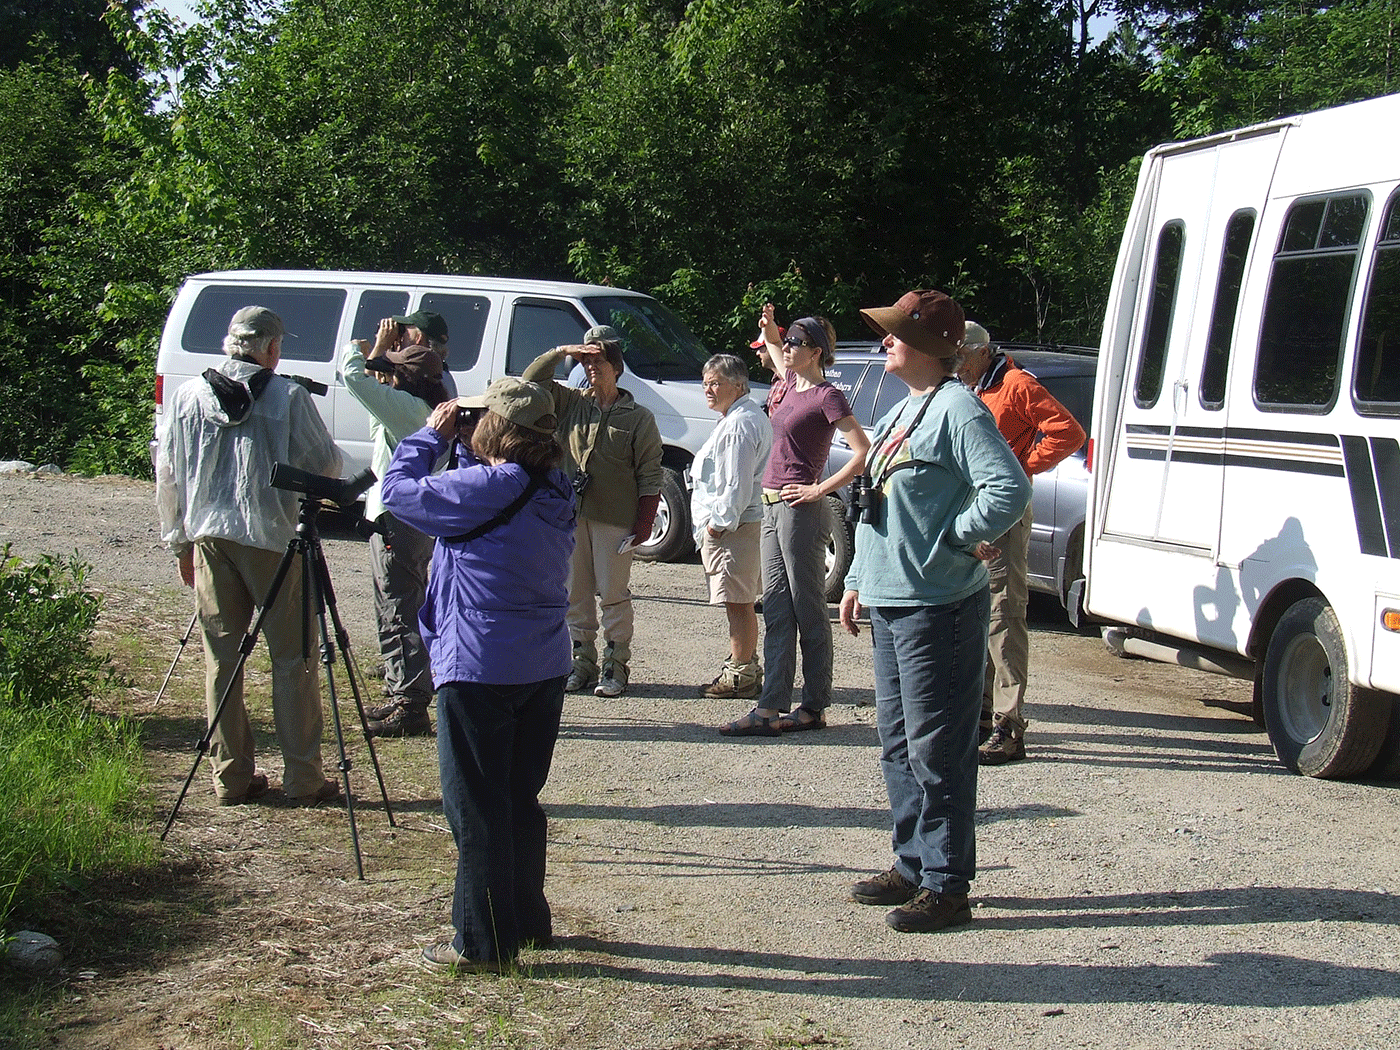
[752, 724]
[795, 723]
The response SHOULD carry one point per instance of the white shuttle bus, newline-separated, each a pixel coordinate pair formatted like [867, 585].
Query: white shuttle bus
[1244, 507]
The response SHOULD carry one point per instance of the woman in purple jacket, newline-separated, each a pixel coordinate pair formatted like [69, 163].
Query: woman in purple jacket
[494, 626]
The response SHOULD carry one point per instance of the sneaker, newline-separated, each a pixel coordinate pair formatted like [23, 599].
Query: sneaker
[374, 714]
[735, 682]
[930, 911]
[889, 887]
[445, 955]
[402, 720]
[614, 680]
[1006, 744]
[327, 792]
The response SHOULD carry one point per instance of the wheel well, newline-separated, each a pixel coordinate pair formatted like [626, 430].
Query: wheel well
[675, 458]
[1267, 616]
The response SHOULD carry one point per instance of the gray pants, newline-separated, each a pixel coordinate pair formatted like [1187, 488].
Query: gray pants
[399, 561]
[1008, 641]
[793, 545]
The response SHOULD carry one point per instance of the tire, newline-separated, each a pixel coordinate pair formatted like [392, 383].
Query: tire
[670, 535]
[840, 548]
[1319, 723]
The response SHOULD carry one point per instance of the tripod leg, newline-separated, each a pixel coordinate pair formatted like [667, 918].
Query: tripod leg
[244, 649]
[178, 653]
[352, 671]
[314, 563]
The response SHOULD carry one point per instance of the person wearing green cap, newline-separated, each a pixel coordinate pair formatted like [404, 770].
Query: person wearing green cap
[613, 453]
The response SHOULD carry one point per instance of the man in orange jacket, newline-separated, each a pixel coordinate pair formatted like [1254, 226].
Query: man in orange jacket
[1041, 432]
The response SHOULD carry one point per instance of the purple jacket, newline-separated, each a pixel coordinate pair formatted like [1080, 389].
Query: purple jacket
[495, 606]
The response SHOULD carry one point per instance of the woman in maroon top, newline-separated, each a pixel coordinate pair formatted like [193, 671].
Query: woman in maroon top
[805, 411]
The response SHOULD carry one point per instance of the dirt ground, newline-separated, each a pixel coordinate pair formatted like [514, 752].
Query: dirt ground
[1149, 877]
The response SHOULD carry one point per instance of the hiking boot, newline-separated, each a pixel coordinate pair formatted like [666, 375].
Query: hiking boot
[444, 954]
[614, 679]
[735, 681]
[889, 887]
[1006, 744]
[930, 911]
[403, 720]
[374, 714]
[585, 670]
[329, 791]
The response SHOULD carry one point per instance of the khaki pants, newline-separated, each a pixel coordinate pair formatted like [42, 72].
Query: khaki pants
[1008, 638]
[597, 570]
[230, 579]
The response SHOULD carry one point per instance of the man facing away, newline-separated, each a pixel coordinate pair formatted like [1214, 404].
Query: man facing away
[1041, 433]
[221, 437]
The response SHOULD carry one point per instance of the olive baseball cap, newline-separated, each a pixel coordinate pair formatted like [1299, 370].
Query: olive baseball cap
[526, 404]
[256, 322]
[601, 333]
[927, 320]
[430, 324]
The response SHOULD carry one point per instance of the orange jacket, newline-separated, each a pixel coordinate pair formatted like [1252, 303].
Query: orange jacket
[1039, 429]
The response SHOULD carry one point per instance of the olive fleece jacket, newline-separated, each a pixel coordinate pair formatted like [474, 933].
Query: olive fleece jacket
[619, 446]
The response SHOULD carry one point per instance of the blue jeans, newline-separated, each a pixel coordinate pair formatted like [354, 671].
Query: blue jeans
[793, 544]
[929, 661]
[495, 744]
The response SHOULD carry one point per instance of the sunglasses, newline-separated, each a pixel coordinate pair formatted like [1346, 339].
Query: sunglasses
[798, 342]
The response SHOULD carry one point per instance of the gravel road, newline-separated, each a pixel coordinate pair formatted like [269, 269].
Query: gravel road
[1149, 877]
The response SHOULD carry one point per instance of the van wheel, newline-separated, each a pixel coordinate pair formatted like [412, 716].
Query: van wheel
[670, 534]
[840, 548]
[1319, 723]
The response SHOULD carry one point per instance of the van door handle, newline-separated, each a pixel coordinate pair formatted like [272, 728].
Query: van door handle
[1179, 396]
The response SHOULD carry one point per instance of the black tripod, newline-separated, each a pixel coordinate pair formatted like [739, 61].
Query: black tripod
[317, 594]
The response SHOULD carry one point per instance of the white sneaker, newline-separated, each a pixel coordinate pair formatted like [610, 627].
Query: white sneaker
[614, 679]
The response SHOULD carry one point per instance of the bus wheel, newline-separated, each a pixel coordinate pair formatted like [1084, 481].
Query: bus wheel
[1319, 723]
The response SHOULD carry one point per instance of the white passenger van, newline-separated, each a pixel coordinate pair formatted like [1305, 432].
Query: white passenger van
[1244, 505]
[496, 327]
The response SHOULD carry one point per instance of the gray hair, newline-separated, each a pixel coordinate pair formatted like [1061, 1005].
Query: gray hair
[728, 367]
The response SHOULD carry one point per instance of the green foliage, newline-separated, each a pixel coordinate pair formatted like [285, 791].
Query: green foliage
[46, 617]
[69, 779]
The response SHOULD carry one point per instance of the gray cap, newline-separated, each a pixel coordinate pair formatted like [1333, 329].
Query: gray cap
[601, 333]
[256, 322]
[976, 335]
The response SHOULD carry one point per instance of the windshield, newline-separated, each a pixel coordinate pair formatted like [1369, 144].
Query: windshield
[655, 342]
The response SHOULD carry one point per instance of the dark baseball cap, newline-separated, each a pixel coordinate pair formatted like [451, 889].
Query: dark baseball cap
[430, 324]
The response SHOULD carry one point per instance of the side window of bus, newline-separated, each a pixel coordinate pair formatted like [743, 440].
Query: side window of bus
[466, 321]
[1376, 385]
[1304, 326]
[1238, 234]
[1156, 335]
[540, 325]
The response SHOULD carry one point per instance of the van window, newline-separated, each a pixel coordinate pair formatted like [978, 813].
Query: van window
[1376, 385]
[540, 325]
[311, 316]
[1238, 234]
[375, 305]
[656, 344]
[1152, 364]
[466, 322]
[892, 392]
[1300, 339]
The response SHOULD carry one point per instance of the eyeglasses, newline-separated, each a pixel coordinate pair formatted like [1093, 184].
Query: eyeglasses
[798, 342]
[714, 384]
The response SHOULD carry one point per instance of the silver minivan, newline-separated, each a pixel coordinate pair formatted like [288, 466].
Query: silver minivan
[497, 326]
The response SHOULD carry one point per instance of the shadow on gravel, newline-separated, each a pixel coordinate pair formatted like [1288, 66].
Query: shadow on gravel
[731, 815]
[654, 732]
[1223, 979]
